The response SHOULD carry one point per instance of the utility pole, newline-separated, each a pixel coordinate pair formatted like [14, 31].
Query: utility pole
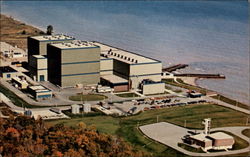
[247, 120]
[157, 118]
[185, 124]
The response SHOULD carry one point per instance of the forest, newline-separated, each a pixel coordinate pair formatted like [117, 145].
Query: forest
[24, 136]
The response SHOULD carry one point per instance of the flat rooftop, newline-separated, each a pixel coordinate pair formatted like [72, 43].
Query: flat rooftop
[7, 69]
[201, 137]
[39, 56]
[39, 88]
[53, 37]
[76, 44]
[220, 135]
[114, 79]
[123, 55]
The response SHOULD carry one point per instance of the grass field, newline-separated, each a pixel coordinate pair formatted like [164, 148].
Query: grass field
[126, 127]
[246, 132]
[87, 97]
[230, 101]
[127, 95]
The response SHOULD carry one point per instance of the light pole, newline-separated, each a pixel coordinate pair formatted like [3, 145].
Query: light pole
[157, 117]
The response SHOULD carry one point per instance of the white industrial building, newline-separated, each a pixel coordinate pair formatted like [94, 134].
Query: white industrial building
[86, 108]
[75, 109]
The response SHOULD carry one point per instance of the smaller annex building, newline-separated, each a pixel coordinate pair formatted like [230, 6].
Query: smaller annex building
[119, 84]
[216, 141]
[39, 92]
[7, 72]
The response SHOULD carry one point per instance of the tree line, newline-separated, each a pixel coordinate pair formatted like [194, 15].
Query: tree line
[23, 136]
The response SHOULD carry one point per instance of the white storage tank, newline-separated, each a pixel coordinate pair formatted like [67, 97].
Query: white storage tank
[75, 109]
[86, 108]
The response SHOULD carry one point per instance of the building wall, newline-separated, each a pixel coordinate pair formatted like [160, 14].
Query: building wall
[54, 65]
[109, 72]
[139, 72]
[43, 73]
[121, 88]
[155, 88]
[106, 67]
[80, 55]
[69, 81]
[136, 80]
[38, 67]
[33, 47]
[43, 95]
[121, 69]
[8, 75]
[223, 142]
[69, 67]
[146, 68]
[80, 66]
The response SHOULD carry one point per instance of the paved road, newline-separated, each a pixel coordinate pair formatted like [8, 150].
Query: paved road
[171, 135]
[221, 103]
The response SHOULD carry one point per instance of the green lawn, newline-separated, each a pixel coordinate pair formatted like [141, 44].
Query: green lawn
[126, 127]
[230, 101]
[127, 95]
[246, 132]
[87, 97]
[105, 124]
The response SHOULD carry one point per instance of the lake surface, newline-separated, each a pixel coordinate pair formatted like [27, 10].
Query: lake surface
[212, 37]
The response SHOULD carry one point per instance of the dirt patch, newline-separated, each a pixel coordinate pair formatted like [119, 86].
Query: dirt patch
[15, 32]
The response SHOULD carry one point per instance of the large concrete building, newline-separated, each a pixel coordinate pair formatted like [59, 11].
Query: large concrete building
[130, 66]
[73, 63]
[37, 45]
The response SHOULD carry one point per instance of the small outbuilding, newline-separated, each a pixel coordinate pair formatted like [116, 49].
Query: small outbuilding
[221, 140]
[119, 84]
[20, 82]
[40, 92]
[7, 72]
[151, 87]
[86, 108]
[75, 109]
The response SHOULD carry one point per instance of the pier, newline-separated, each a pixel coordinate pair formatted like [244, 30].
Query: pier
[174, 67]
[215, 76]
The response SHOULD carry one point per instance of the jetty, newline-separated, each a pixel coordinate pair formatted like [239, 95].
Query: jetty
[214, 76]
[174, 67]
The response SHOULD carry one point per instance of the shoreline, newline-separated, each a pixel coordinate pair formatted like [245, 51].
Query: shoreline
[16, 18]
[189, 80]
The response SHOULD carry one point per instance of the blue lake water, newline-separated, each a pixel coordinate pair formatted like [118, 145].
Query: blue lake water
[212, 37]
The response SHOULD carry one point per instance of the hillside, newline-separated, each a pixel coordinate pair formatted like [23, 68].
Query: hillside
[15, 32]
[24, 136]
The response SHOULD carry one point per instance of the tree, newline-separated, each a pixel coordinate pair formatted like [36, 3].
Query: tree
[23, 32]
[49, 29]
